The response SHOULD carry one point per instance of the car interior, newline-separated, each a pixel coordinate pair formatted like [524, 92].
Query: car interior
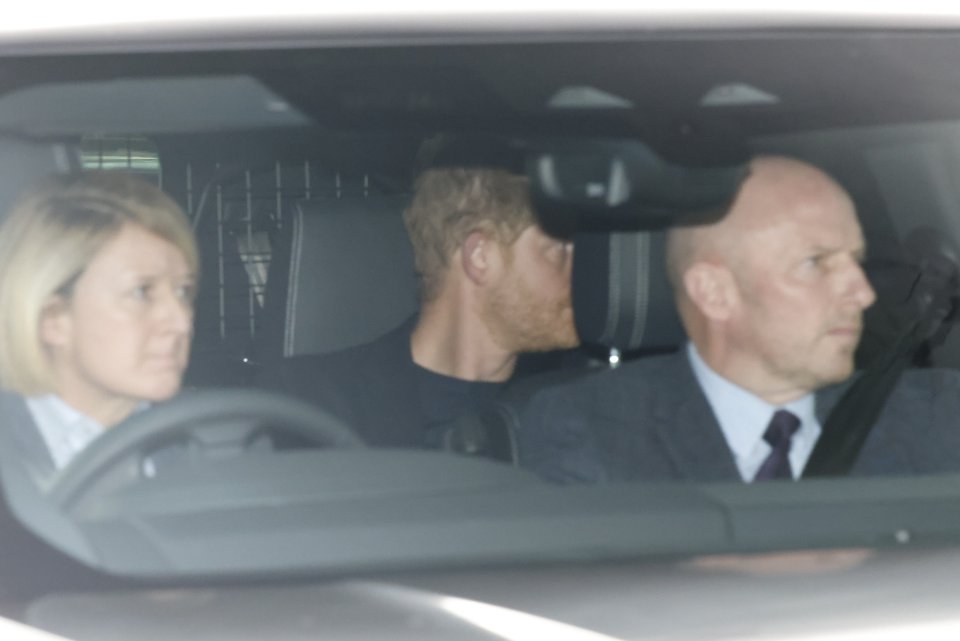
[294, 165]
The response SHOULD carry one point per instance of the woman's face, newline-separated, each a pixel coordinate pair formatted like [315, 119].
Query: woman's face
[123, 335]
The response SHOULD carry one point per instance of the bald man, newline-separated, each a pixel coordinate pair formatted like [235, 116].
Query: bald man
[772, 298]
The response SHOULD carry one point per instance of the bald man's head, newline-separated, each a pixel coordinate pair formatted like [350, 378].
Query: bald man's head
[774, 187]
[773, 293]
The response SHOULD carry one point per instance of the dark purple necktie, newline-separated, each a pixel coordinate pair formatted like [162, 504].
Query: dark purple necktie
[782, 427]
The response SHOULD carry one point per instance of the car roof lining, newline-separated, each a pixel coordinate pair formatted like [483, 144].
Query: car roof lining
[156, 105]
[839, 80]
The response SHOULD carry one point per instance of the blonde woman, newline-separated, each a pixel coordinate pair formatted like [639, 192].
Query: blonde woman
[97, 280]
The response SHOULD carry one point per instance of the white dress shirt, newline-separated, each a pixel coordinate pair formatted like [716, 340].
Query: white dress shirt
[65, 430]
[744, 417]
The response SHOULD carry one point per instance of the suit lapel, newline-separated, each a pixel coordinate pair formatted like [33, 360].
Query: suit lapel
[691, 436]
[24, 436]
[880, 450]
[826, 400]
[884, 451]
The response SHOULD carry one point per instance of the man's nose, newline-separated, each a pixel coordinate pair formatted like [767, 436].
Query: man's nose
[860, 288]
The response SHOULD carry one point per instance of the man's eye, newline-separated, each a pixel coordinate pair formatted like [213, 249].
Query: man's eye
[141, 292]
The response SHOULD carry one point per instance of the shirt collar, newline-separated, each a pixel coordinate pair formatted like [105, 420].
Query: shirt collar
[65, 430]
[64, 412]
[743, 416]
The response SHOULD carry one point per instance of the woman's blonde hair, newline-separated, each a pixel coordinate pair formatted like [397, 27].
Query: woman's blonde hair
[48, 239]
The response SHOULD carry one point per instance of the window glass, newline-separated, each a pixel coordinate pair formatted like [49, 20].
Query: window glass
[121, 153]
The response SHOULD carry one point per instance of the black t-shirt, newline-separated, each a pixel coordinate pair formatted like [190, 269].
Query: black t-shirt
[444, 399]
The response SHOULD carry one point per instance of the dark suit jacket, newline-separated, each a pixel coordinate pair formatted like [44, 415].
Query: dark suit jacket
[30, 567]
[22, 433]
[373, 387]
[649, 420]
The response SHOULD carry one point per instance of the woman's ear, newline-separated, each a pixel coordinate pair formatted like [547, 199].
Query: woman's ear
[55, 323]
[712, 289]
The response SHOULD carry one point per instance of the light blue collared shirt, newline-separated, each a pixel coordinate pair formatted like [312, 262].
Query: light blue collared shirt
[744, 417]
[65, 430]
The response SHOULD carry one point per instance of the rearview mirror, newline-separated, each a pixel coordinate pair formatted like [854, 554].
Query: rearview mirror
[624, 185]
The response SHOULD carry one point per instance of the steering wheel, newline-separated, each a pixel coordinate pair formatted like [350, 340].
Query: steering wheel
[210, 418]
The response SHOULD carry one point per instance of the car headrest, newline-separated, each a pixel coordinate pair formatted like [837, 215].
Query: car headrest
[342, 274]
[621, 296]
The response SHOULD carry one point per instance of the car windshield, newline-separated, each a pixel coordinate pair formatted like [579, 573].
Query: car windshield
[471, 300]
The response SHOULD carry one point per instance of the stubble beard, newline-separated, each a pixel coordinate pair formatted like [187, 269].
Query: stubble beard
[522, 321]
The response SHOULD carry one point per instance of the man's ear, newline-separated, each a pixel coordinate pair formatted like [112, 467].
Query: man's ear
[712, 289]
[55, 323]
[476, 256]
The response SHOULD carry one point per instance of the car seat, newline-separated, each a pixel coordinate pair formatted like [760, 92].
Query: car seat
[623, 308]
[341, 275]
